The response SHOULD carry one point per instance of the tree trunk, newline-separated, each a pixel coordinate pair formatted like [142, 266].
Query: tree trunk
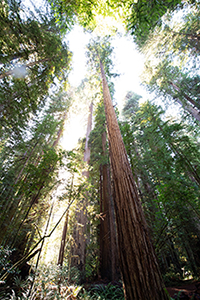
[63, 241]
[89, 128]
[40, 250]
[108, 245]
[189, 99]
[60, 131]
[138, 263]
[193, 111]
[78, 250]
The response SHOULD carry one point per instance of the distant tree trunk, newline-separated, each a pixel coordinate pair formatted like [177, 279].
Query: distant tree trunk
[63, 241]
[40, 250]
[78, 250]
[193, 111]
[78, 255]
[60, 131]
[109, 264]
[15, 216]
[189, 99]
[87, 148]
[29, 156]
[138, 263]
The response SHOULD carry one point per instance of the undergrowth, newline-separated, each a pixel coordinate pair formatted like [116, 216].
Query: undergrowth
[53, 283]
[102, 292]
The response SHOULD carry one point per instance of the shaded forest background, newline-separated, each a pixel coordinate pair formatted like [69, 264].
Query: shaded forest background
[75, 195]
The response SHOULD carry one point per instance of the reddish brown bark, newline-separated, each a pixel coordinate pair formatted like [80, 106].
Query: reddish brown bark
[138, 263]
[109, 266]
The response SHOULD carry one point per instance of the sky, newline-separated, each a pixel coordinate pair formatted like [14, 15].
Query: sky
[128, 62]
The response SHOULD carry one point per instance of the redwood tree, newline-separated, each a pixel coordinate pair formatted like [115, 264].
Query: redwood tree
[109, 265]
[138, 263]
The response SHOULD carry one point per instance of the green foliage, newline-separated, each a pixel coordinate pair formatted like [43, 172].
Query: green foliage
[147, 15]
[30, 167]
[131, 104]
[95, 141]
[171, 60]
[170, 83]
[5, 262]
[101, 291]
[171, 278]
[164, 159]
[66, 14]
[32, 56]
[51, 282]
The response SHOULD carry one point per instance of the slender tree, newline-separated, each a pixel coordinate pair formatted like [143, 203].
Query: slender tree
[64, 232]
[80, 230]
[170, 83]
[171, 61]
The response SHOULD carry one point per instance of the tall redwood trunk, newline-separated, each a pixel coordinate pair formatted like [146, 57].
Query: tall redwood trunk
[60, 131]
[138, 263]
[109, 263]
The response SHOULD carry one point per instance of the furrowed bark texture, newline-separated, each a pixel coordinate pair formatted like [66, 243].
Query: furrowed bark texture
[138, 263]
[105, 236]
[109, 265]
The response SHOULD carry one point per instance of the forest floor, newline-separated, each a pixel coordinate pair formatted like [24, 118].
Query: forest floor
[186, 290]
[179, 290]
